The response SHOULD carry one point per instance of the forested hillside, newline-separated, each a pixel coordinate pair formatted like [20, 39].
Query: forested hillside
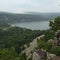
[27, 17]
[12, 41]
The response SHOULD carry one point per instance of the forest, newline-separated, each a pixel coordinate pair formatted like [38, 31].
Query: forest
[13, 39]
[26, 17]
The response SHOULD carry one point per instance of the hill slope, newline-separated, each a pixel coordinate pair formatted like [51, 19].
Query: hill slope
[28, 17]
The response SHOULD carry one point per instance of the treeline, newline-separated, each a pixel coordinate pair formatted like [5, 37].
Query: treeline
[28, 17]
[15, 18]
[17, 36]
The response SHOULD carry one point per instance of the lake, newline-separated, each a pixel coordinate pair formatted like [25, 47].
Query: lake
[36, 25]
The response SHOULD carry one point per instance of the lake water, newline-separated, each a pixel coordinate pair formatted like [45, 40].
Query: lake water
[37, 25]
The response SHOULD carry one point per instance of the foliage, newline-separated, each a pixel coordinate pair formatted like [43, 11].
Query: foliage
[16, 36]
[56, 51]
[55, 25]
[49, 35]
[45, 45]
[8, 54]
[23, 56]
[12, 41]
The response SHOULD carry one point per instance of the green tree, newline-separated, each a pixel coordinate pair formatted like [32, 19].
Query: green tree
[8, 54]
[23, 56]
[56, 51]
[55, 25]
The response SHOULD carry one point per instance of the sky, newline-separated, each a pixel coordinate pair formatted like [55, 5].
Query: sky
[21, 6]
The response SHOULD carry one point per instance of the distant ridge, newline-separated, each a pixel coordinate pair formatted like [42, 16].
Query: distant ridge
[26, 17]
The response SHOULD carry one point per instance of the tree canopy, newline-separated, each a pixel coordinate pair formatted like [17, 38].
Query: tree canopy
[55, 25]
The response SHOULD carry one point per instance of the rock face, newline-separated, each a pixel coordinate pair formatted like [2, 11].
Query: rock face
[39, 55]
[58, 37]
[56, 40]
[56, 58]
[50, 56]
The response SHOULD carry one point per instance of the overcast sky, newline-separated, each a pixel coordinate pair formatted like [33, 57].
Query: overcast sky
[20, 6]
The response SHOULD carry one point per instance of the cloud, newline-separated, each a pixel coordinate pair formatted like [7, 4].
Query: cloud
[19, 6]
